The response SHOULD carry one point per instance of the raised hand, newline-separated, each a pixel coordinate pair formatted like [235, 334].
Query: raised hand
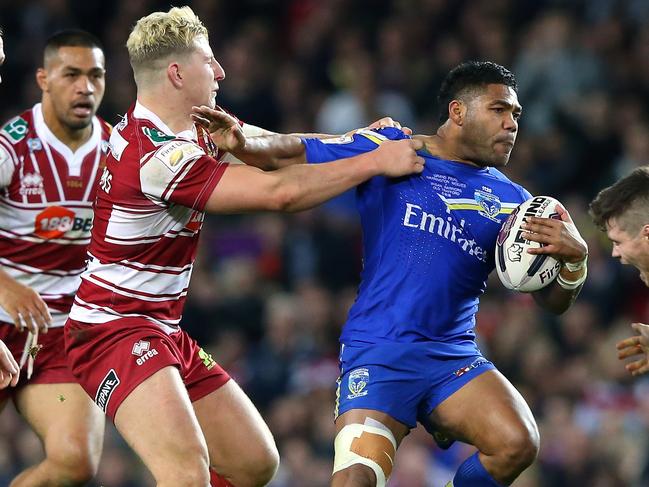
[224, 129]
[561, 238]
[396, 158]
[636, 345]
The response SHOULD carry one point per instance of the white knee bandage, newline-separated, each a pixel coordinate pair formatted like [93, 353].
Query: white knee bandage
[371, 444]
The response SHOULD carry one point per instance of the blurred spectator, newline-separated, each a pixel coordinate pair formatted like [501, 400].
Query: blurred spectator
[270, 293]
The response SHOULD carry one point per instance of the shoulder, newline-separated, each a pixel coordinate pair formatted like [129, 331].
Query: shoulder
[15, 130]
[515, 187]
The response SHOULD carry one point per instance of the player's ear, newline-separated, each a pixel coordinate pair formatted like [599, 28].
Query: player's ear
[457, 112]
[41, 79]
[175, 75]
[645, 231]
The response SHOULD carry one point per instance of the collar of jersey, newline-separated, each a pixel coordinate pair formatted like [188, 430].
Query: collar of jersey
[142, 112]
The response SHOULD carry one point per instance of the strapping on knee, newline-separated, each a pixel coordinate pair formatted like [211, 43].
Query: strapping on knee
[371, 444]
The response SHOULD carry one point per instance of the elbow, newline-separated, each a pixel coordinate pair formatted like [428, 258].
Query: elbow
[284, 198]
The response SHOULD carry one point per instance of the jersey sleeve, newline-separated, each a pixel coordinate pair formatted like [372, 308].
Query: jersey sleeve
[7, 165]
[364, 140]
[181, 172]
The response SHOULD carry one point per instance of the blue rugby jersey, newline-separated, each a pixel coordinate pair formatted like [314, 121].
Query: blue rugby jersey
[428, 243]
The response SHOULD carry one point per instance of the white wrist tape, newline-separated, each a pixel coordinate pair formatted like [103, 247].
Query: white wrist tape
[570, 285]
[576, 266]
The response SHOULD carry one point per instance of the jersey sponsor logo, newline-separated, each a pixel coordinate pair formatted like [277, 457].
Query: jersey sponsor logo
[445, 227]
[31, 184]
[357, 383]
[34, 144]
[56, 221]
[176, 153]
[106, 389]
[489, 203]
[206, 358]
[105, 182]
[16, 129]
[156, 136]
[142, 349]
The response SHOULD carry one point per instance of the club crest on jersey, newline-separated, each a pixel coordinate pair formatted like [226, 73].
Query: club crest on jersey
[489, 203]
[34, 144]
[176, 153]
[31, 184]
[357, 383]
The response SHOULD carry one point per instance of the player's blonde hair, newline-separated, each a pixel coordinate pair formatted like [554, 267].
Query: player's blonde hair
[161, 34]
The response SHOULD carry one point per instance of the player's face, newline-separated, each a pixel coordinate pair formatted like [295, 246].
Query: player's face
[205, 72]
[491, 125]
[73, 84]
[630, 249]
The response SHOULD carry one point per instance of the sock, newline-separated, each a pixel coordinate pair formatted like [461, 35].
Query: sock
[217, 481]
[473, 474]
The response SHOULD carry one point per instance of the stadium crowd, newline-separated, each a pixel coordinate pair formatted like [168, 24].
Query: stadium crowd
[270, 293]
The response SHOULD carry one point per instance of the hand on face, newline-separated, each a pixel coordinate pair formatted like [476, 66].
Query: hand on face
[560, 238]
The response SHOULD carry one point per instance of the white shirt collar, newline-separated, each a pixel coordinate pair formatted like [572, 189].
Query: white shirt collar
[140, 111]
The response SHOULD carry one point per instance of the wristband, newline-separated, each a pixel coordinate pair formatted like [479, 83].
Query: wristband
[576, 266]
[571, 285]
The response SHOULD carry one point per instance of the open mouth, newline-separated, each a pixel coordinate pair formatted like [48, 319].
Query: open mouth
[83, 108]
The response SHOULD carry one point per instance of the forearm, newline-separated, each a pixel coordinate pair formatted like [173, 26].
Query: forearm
[555, 298]
[304, 186]
[270, 152]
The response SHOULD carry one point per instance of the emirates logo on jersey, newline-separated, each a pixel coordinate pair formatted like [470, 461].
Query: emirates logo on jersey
[31, 184]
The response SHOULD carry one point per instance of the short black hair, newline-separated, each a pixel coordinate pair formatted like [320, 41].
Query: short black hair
[70, 38]
[627, 201]
[468, 76]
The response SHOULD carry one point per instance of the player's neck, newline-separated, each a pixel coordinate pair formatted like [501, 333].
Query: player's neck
[172, 112]
[444, 146]
[72, 138]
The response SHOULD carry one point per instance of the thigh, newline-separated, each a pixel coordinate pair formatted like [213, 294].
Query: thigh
[482, 411]
[64, 417]
[235, 432]
[157, 420]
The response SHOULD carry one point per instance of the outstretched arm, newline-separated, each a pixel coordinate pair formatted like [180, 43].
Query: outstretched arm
[299, 187]
[561, 240]
[267, 150]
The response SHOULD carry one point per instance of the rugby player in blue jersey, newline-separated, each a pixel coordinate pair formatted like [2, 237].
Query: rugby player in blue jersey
[408, 350]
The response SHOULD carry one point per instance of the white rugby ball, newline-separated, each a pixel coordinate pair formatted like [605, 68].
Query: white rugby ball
[517, 269]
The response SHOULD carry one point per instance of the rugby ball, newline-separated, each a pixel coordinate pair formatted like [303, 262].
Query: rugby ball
[517, 269]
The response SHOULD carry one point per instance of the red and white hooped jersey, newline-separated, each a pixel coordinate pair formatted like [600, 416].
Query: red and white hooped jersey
[46, 195]
[148, 216]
